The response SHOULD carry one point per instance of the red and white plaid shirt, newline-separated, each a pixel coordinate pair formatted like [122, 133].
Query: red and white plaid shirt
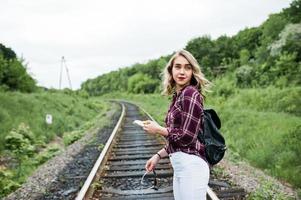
[184, 120]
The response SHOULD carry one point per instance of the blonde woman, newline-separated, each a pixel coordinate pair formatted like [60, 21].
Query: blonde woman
[184, 80]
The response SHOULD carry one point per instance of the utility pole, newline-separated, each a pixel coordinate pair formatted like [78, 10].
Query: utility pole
[61, 73]
[63, 65]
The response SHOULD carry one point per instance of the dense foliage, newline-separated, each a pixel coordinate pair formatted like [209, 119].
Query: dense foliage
[13, 73]
[269, 54]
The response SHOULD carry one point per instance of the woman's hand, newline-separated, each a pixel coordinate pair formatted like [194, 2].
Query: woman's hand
[151, 163]
[151, 127]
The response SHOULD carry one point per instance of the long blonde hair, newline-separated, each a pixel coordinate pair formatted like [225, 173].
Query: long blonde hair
[198, 78]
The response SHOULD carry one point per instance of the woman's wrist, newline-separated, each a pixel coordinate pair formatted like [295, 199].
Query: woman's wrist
[156, 157]
[162, 131]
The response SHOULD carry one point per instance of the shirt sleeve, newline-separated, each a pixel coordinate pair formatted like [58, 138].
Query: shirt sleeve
[192, 110]
[166, 147]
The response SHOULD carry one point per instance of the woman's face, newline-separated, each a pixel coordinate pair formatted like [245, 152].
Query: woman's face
[181, 72]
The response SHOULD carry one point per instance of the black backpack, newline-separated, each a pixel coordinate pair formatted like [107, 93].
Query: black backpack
[211, 137]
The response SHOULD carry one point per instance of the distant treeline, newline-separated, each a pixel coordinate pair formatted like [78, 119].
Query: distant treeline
[13, 73]
[269, 54]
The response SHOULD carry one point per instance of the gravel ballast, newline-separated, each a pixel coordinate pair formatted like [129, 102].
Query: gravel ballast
[62, 176]
[251, 178]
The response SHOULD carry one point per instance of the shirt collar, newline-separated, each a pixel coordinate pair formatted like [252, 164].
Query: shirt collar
[175, 94]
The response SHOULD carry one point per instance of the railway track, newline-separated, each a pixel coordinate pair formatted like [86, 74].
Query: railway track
[119, 171]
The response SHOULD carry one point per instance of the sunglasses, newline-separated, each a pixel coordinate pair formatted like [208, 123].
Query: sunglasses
[146, 183]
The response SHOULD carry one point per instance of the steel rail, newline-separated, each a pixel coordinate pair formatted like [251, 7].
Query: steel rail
[101, 159]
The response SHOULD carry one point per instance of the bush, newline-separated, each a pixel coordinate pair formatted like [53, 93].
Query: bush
[244, 56]
[70, 137]
[19, 146]
[47, 154]
[83, 94]
[140, 83]
[224, 87]
[244, 76]
[19, 141]
[287, 67]
[6, 184]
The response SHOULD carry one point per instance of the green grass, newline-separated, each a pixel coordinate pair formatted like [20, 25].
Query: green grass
[272, 99]
[69, 112]
[262, 138]
[72, 117]
[260, 125]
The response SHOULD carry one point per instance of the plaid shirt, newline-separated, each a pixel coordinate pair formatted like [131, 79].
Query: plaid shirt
[184, 120]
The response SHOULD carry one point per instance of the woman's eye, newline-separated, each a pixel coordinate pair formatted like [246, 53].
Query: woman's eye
[177, 67]
[188, 67]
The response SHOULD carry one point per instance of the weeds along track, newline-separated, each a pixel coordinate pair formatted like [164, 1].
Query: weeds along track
[119, 169]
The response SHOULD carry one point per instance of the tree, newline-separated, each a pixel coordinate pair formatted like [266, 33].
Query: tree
[293, 44]
[13, 74]
[287, 68]
[226, 48]
[272, 27]
[141, 83]
[293, 13]
[7, 53]
[249, 39]
[205, 51]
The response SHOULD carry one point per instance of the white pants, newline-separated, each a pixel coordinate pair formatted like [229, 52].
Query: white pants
[191, 176]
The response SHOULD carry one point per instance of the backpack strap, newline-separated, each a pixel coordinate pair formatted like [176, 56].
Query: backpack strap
[214, 117]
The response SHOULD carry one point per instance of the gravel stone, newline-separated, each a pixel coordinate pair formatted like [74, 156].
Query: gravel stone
[250, 178]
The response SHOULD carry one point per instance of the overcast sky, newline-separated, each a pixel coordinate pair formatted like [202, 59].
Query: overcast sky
[98, 36]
